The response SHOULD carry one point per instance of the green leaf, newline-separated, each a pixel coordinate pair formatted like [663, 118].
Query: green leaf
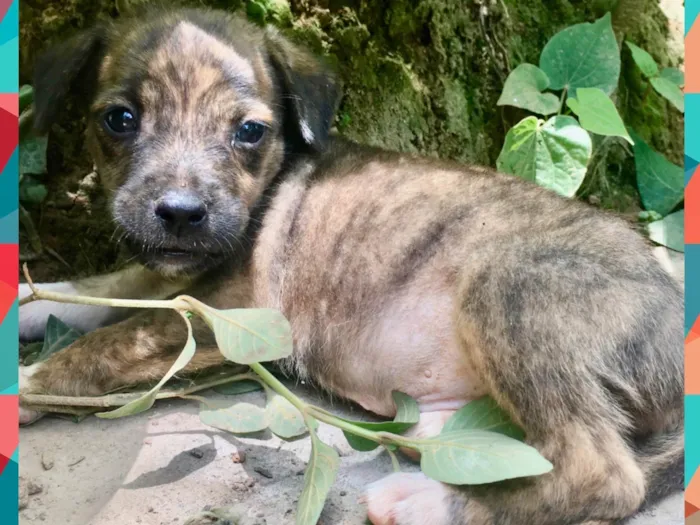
[674, 75]
[26, 97]
[645, 62]
[552, 154]
[146, 401]
[31, 191]
[284, 419]
[484, 414]
[583, 55]
[598, 114]
[474, 457]
[670, 91]
[238, 387]
[524, 89]
[32, 156]
[318, 479]
[57, 336]
[660, 182]
[248, 336]
[237, 418]
[669, 231]
[407, 415]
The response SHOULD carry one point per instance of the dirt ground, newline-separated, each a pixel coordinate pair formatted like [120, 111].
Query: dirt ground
[164, 466]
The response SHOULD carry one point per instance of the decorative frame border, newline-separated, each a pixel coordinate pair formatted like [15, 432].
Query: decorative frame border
[9, 259]
[692, 261]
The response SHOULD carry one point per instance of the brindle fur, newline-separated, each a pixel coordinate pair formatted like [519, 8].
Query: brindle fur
[556, 310]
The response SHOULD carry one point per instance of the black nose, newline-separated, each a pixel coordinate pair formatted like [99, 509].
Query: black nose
[181, 212]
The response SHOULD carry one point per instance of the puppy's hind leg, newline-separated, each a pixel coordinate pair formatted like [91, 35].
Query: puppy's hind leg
[134, 282]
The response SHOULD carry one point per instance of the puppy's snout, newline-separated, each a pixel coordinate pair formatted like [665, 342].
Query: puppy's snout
[181, 212]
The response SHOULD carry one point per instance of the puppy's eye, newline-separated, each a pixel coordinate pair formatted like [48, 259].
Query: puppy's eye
[250, 133]
[121, 121]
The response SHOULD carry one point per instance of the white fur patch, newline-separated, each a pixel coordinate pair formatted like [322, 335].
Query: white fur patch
[306, 132]
[25, 373]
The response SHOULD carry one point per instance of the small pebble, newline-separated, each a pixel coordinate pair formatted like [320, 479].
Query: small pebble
[343, 493]
[238, 457]
[196, 453]
[263, 472]
[46, 462]
[34, 488]
[151, 509]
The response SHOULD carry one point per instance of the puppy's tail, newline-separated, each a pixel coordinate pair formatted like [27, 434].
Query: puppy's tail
[661, 457]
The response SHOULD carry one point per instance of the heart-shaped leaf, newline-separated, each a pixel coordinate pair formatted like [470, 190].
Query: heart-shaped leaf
[645, 62]
[249, 336]
[484, 414]
[407, 415]
[32, 156]
[598, 114]
[670, 91]
[554, 154]
[524, 89]
[583, 55]
[146, 401]
[660, 182]
[474, 457]
[318, 479]
[238, 387]
[237, 418]
[284, 419]
[669, 231]
[57, 336]
[674, 75]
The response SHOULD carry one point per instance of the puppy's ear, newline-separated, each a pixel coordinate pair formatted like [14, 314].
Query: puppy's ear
[68, 69]
[310, 89]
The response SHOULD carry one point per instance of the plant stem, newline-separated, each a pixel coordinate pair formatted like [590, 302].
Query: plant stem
[394, 459]
[113, 400]
[562, 100]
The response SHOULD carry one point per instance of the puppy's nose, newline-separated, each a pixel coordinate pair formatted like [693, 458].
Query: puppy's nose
[181, 211]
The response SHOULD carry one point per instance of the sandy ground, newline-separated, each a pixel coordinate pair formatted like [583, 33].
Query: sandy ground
[164, 466]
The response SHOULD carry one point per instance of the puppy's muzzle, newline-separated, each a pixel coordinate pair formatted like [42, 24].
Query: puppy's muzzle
[181, 213]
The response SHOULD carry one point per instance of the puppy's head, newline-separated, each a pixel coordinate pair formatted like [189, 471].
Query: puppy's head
[191, 115]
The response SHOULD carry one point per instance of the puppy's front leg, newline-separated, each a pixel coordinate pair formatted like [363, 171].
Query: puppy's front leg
[134, 282]
[137, 350]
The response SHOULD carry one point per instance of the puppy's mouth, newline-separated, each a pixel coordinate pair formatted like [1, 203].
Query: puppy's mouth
[175, 252]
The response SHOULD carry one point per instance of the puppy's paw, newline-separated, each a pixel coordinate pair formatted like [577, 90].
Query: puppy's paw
[407, 499]
[27, 416]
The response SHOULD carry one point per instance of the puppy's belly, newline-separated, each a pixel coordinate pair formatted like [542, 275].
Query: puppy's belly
[410, 344]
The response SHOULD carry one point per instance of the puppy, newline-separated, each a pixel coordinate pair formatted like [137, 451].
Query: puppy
[396, 272]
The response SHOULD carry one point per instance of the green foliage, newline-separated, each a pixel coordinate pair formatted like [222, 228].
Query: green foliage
[553, 154]
[58, 335]
[524, 89]
[660, 182]
[284, 419]
[666, 82]
[32, 152]
[318, 480]
[474, 457]
[597, 113]
[248, 336]
[583, 55]
[407, 415]
[238, 418]
[484, 414]
[238, 387]
[582, 65]
[669, 231]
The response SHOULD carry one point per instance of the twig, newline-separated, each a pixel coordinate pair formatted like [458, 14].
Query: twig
[114, 400]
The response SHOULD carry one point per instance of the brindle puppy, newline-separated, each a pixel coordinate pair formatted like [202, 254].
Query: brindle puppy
[443, 281]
